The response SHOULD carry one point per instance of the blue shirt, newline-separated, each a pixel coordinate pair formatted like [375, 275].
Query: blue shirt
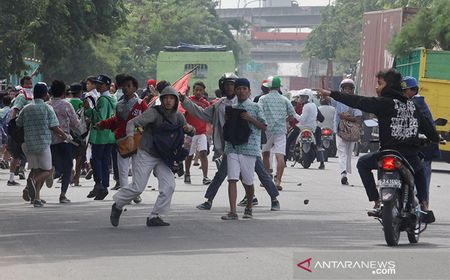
[253, 146]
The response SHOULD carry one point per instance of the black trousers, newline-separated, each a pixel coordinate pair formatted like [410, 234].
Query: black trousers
[369, 162]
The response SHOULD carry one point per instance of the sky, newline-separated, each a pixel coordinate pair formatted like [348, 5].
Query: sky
[234, 3]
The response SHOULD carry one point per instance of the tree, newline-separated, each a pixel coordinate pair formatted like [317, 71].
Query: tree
[154, 24]
[429, 29]
[55, 28]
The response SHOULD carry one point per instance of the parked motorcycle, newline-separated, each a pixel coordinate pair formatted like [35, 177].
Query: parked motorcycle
[305, 149]
[400, 209]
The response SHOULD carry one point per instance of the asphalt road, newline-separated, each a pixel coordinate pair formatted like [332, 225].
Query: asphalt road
[76, 241]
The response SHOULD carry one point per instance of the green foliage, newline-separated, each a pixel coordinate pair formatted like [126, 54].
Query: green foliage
[154, 24]
[77, 38]
[429, 29]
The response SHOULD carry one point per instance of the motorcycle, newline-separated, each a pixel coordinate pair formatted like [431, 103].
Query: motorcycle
[400, 209]
[305, 149]
[328, 142]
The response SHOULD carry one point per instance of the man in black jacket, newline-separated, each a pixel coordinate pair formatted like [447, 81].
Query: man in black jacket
[400, 123]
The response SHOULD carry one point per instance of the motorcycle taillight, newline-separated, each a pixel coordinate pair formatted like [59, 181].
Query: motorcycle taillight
[389, 163]
[326, 131]
[306, 134]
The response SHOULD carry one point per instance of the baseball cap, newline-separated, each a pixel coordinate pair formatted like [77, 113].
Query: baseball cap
[103, 79]
[409, 82]
[274, 82]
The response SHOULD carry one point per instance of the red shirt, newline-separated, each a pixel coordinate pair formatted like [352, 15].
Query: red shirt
[198, 124]
[119, 126]
[298, 109]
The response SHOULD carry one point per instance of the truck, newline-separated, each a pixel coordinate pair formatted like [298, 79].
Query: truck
[209, 64]
[431, 69]
[378, 29]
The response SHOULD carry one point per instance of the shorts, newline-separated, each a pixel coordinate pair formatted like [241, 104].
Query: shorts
[13, 148]
[199, 143]
[41, 160]
[242, 166]
[276, 143]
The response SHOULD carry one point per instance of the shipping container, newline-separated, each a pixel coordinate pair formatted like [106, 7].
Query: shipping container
[378, 29]
[431, 69]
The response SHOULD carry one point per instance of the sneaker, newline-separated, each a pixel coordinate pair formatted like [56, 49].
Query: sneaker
[49, 180]
[156, 222]
[12, 183]
[97, 188]
[89, 174]
[137, 199]
[344, 180]
[115, 215]
[21, 175]
[187, 178]
[101, 195]
[180, 171]
[31, 187]
[38, 203]
[248, 213]
[63, 199]
[243, 202]
[230, 216]
[322, 166]
[26, 195]
[205, 206]
[116, 186]
[206, 181]
[218, 162]
[428, 218]
[196, 164]
[275, 205]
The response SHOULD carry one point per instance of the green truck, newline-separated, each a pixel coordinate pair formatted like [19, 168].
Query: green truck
[432, 71]
[209, 64]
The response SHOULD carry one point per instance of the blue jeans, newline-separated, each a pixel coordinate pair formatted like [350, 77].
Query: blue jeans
[427, 173]
[101, 157]
[62, 161]
[221, 174]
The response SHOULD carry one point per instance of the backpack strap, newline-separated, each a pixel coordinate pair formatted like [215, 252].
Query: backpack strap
[158, 109]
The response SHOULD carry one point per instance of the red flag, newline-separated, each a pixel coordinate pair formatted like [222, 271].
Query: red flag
[181, 85]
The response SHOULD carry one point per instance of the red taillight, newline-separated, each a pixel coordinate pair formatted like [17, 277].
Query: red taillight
[306, 134]
[326, 132]
[388, 164]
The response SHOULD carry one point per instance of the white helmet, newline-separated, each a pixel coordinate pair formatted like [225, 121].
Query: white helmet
[306, 92]
[347, 82]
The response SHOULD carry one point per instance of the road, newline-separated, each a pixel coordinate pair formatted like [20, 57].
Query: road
[76, 241]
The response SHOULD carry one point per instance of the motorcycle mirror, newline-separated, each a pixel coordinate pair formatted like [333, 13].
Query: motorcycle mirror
[371, 123]
[440, 122]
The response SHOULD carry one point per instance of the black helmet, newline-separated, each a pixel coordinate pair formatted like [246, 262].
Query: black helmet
[227, 77]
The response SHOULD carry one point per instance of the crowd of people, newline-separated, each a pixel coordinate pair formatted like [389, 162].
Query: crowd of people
[106, 127]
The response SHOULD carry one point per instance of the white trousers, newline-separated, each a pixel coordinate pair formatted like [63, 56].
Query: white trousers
[143, 165]
[123, 164]
[344, 151]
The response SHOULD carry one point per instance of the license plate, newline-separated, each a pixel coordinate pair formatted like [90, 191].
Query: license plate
[390, 180]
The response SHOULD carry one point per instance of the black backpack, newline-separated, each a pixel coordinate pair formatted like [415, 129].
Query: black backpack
[16, 132]
[168, 140]
[236, 130]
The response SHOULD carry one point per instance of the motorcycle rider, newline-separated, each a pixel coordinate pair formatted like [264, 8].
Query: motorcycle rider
[308, 117]
[430, 152]
[400, 123]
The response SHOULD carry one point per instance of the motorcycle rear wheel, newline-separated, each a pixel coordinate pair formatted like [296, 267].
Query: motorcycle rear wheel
[391, 221]
[413, 237]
